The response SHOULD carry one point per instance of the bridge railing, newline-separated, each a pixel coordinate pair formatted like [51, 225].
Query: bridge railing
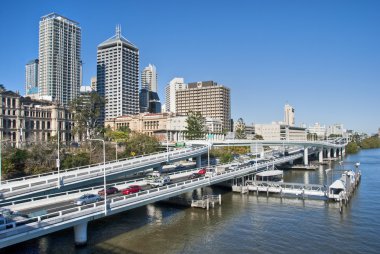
[96, 208]
[53, 173]
[96, 172]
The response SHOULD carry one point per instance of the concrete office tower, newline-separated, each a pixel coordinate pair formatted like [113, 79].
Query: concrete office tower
[170, 101]
[289, 115]
[93, 83]
[208, 98]
[59, 59]
[149, 78]
[118, 76]
[31, 79]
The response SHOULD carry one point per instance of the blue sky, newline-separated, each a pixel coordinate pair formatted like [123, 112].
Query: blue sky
[322, 57]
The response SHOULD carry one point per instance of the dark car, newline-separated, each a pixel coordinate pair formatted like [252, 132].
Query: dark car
[194, 175]
[132, 189]
[110, 190]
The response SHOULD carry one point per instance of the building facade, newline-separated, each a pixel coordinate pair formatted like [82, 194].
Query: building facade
[118, 76]
[163, 126]
[59, 59]
[170, 93]
[31, 79]
[319, 130]
[289, 115]
[335, 130]
[208, 98]
[278, 131]
[149, 78]
[24, 120]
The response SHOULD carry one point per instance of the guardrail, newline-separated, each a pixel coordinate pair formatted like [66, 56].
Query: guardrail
[120, 202]
[36, 184]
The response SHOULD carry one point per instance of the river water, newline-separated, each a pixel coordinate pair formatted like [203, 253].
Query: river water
[243, 224]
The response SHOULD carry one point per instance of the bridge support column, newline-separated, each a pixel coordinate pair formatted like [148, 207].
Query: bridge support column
[334, 153]
[291, 162]
[305, 156]
[199, 162]
[343, 151]
[80, 231]
[320, 155]
[328, 153]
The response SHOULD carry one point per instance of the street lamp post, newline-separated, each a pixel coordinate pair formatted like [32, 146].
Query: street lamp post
[104, 173]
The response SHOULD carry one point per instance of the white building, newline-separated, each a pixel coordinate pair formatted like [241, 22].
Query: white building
[170, 93]
[278, 131]
[118, 76]
[289, 118]
[335, 129]
[149, 78]
[59, 59]
[318, 129]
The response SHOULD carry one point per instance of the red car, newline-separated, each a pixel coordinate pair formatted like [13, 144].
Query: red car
[202, 171]
[110, 190]
[132, 189]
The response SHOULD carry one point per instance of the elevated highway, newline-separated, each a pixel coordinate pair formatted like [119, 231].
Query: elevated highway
[78, 217]
[77, 177]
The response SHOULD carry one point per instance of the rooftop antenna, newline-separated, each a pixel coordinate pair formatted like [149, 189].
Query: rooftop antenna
[118, 31]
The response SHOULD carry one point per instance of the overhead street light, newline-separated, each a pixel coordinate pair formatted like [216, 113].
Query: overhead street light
[104, 172]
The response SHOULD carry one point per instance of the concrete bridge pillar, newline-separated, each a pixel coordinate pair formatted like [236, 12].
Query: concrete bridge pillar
[80, 231]
[199, 162]
[328, 153]
[343, 151]
[262, 154]
[334, 153]
[320, 155]
[305, 156]
[291, 162]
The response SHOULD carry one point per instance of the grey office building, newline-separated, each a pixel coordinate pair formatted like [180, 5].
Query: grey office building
[59, 59]
[118, 76]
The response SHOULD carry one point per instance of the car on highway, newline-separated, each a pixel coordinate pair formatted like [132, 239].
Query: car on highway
[87, 198]
[132, 189]
[202, 171]
[161, 181]
[194, 176]
[109, 191]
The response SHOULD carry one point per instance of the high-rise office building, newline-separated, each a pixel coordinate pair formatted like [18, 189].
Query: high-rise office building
[59, 59]
[149, 78]
[93, 83]
[208, 98]
[174, 85]
[118, 76]
[289, 115]
[31, 79]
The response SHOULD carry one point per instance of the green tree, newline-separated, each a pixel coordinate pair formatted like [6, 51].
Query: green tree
[258, 137]
[195, 126]
[87, 110]
[240, 129]
[140, 143]
[369, 143]
[119, 135]
[75, 160]
[13, 163]
[352, 147]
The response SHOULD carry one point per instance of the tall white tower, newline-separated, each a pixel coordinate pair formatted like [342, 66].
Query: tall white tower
[118, 76]
[149, 78]
[59, 59]
[289, 115]
[174, 85]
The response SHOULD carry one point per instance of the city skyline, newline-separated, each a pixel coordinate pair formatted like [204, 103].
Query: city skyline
[321, 57]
